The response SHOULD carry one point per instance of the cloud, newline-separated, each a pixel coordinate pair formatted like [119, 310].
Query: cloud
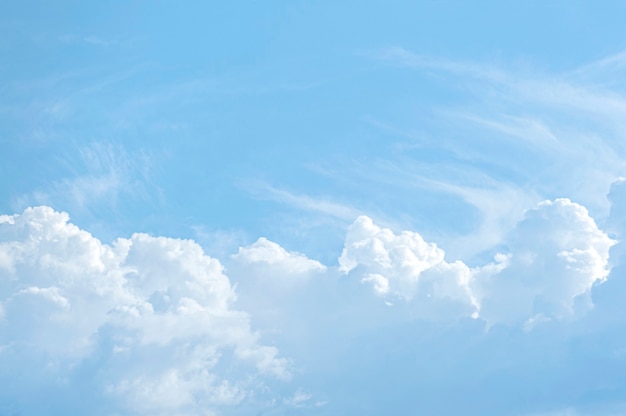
[98, 176]
[403, 265]
[147, 321]
[557, 133]
[265, 252]
[304, 202]
[609, 296]
[271, 280]
[554, 257]
[152, 325]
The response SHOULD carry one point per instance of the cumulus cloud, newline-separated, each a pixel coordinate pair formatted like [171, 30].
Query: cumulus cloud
[266, 272]
[548, 265]
[281, 289]
[404, 265]
[149, 323]
[265, 252]
[149, 320]
[554, 256]
[557, 253]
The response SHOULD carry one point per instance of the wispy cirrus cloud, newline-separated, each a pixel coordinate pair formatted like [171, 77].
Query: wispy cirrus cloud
[549, 134]
[318, 205]
[97, 176]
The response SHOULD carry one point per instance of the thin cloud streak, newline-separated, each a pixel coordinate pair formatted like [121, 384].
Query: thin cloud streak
[304, 202]
[577, 126]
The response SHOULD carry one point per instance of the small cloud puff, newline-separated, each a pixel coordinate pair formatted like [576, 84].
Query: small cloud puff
[269, 253]
[405, 266]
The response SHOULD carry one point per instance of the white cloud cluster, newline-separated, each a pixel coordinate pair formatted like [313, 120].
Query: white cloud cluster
[150, 322]
[157, 312]
[404, 265]
[555, 255]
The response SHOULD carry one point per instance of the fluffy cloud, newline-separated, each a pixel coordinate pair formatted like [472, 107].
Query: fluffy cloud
[404, 266]
[402, 257]
[149, 320]
[267, 276]
[280, 262]
[147, 325]
[555, 255]
[283, 290]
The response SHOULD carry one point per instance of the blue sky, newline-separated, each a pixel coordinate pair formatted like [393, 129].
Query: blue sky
[294, 208]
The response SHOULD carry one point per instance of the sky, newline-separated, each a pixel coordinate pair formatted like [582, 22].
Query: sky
[313, 208]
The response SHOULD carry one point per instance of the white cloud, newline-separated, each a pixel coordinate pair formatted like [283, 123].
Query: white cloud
[272, 283]
[555, 255]
[271, 254]
[404, 265]
[264, 272]
[378, 281]
[368, 244]
[157, 311]
[150, 320]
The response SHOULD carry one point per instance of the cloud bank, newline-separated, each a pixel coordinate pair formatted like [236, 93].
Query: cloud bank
[152, 325]
[554, 256]
[149, 320]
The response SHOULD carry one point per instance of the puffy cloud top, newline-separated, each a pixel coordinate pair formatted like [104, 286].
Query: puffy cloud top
[555, 255]
[404, 265]
[148, 323]
[269, 253]
[156, 311]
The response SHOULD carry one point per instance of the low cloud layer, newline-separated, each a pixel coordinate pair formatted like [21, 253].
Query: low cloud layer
[152, 325]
